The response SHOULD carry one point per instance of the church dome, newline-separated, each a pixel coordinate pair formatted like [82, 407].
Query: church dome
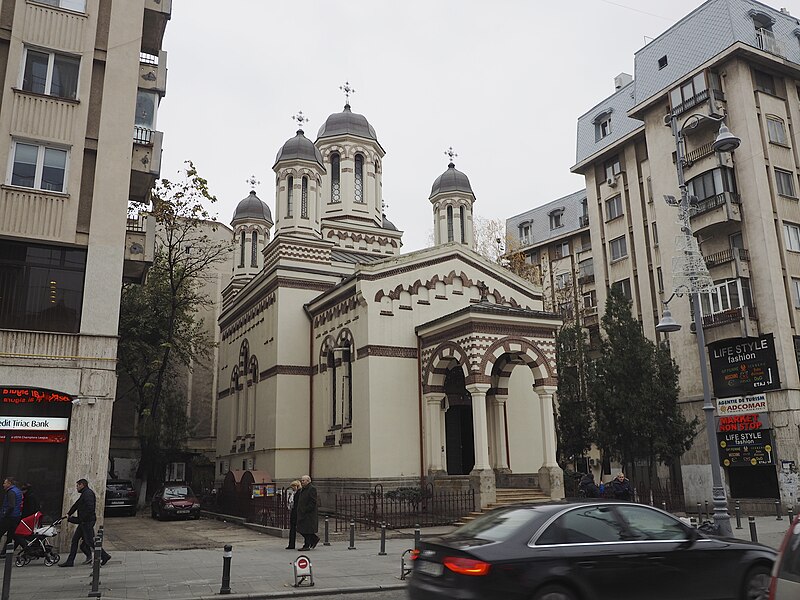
[299, 148]
[387, 224]
[451, 180]
[347, 122]
[252, 209]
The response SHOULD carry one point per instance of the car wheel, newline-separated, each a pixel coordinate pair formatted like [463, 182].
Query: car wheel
[756, 583]
[554, 592]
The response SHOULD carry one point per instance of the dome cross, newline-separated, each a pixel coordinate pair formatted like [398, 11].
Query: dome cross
[347, 91]
[451, 153]
[253, 181]
[300, 119]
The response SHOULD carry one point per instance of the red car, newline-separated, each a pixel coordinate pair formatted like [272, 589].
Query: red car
[785, 583]
[175, 500]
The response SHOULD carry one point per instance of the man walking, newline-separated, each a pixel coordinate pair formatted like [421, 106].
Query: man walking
[86, 506]
[10, 511]
[307, 516]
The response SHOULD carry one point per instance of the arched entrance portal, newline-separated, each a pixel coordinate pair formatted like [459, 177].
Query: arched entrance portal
[459, 434]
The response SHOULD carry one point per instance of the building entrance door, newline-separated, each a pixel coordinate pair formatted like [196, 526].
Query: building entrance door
[459, 436]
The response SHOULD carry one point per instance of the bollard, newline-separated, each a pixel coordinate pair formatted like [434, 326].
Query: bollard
[664, 506]
[416, 536]
[699, 513]
[778, 515]
[708, 514]
[405, 565]
[227, 555]
[327, 541]
[738, 515]
[790, 514]
[753, 533]
[98, 553]
[693, 522]
[383, 540]
[352, 545]
[7, 570]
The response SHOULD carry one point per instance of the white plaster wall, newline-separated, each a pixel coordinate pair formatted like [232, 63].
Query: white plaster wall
[526, 452]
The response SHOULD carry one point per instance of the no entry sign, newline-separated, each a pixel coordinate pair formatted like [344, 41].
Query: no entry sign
[302, 571]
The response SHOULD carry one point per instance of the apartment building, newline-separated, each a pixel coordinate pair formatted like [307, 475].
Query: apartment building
[737, 59]
[82, 83]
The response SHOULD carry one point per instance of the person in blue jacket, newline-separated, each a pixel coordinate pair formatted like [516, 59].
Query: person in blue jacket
[10, 511]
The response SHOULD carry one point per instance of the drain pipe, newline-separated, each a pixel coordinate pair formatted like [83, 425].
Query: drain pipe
[421, 435]
[310, 391]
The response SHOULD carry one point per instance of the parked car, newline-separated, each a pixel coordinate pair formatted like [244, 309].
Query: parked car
[175, 500]
[785, 584]
[603, 550]
[121, 497]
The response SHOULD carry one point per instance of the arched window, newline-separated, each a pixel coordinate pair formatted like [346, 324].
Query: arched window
[377, 187]
[332, 370]
[289, 195]
[463, 216]
[241, 249]
[335, 184]
[304, 199]
[254, 250]
[449, 223]
[359, 184]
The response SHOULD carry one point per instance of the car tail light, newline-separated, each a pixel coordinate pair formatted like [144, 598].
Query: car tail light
[414, 554]
[466, 566]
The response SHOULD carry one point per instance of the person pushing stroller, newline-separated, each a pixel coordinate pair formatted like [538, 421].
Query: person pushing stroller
[86, 507]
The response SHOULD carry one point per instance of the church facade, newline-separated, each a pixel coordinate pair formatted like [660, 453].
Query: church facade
[342, 358]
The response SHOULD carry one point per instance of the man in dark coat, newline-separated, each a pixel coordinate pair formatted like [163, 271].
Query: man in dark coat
[307, 516]
[10, 511]
[30, 503]
[588, 487]
[621, 488]
[86, 507]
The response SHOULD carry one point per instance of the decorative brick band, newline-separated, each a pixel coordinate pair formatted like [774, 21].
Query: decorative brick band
[286, 370]
[388, 351]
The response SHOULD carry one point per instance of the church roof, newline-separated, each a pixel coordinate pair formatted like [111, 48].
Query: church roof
[452, 180]
[347, 122]
[387, 224]
[299, 148]
[356, 257]
[252, 208]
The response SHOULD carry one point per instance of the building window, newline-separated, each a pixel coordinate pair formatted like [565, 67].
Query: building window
[563, 280]
[335, 182]
[776, 130]
[655, 235]
[557, 219]
[614, 207]
[334, 395]
[76, 5]
[602, 127]
[662, 62]
[50, 73]
[450, 224]
[796, 291]
[612, 167]
[586, 269]
[563, 250]
[660, 279]
[289, 195]
[359, 183]
[41, 287]
[736, 240]
[590, 299]
[712, 183]
[146, 105]
[304, 198]
[525, 233]
[618, 247]
[39, 167]
[727, 295]
[785, 181]
[765, 82]
[689, 92]
[623, 287]
[792, 234]
[254, 249]
[242, 240]
[463, 222]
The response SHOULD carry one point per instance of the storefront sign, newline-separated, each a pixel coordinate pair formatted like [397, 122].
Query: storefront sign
[741, 405]
[745, 448]
[55, 437]
[260, 490]
[34, 423]
[746, 422]
[741, 366]
[22, 395]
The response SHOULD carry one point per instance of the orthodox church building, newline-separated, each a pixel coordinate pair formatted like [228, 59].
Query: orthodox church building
[345, 359]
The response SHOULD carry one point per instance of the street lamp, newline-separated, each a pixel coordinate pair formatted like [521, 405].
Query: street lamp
[692, 279]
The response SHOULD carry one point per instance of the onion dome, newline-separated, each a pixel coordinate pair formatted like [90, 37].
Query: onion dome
[347, 122]
[387, 224]
[299, 148]
[252, 209]
[451, 180]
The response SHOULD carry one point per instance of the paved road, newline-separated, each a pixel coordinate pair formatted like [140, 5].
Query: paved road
[384, 595]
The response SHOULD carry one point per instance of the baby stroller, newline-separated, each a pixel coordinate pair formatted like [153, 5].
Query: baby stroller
[34, 540]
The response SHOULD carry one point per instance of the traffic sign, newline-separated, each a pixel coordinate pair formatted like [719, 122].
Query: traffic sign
[303, 574]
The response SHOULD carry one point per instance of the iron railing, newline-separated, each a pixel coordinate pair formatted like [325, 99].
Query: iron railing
[401, 508]
[726, 256]
[142, 135]
[709, 204]
[271, 511]
[701, 152]
[148, 59]
[583, 220]
[765, 40]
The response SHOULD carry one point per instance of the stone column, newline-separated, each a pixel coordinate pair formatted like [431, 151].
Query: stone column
[498, 407]
[433, 434]
[482, 474]
[551, 477]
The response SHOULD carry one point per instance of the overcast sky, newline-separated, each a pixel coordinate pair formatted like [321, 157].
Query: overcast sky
[502, 81]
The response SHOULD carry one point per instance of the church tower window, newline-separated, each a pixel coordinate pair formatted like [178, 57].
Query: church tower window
[241, 249]
[449, 223]
[359, 184]
[254, 250]
[289, 195]
[304, 199]
[335, 183]
[463, 217]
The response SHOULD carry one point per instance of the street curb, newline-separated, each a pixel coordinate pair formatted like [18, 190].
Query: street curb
[294, 593]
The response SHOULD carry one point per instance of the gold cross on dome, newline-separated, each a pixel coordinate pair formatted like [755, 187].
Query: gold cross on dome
[300, 118]
[253, 181]
[451, 153]
[347, 91]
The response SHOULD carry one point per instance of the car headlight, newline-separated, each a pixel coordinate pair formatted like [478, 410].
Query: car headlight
[195, 505]
[169, 507]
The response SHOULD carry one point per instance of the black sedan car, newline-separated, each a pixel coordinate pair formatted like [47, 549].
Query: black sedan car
[587, 551]
[121, 497]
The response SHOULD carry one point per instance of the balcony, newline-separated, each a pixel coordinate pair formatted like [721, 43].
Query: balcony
[717, 209]
[153, 72]
[732, 263]
[587, 278]
[583, 221]
[140, 243]
[156, 15]
[765, 40]
[145, 162]
[699, 98]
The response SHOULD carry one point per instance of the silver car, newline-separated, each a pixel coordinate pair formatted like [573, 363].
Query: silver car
[785, 583]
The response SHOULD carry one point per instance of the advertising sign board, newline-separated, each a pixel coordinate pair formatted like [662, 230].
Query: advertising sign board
[745, 448]
[742, 366]
[745, 422]
[740, 405]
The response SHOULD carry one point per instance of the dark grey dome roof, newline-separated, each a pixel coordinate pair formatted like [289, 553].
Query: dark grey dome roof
[347, 122]
[451, 180]
[299, 148]
[387, 224]
[252, 209]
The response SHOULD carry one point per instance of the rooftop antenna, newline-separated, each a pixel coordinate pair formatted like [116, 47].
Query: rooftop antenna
[347, 91]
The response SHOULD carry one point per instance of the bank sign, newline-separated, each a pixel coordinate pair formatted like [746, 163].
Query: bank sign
[34, 423]
[744, 366]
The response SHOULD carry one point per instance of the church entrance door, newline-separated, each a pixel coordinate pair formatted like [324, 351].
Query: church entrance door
[459, 436]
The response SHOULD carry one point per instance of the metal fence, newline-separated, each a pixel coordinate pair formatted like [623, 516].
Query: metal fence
[405, 507]
[271, 511]
[661, 493]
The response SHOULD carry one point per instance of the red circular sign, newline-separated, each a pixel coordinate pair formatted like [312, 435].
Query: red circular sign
[302, 563]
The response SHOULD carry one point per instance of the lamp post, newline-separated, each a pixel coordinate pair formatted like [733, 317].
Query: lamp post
[692, 280]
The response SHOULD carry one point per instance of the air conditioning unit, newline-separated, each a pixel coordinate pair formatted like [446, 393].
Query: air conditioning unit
[611, 182]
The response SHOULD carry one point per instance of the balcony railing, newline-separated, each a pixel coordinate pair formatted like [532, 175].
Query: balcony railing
[713, 202]
[694, 155]
[142, 135]
[583, 220]
[148, 59]
[732, 315]
[726, 256]
[588, 278]
[765, 40]
[137, 224]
